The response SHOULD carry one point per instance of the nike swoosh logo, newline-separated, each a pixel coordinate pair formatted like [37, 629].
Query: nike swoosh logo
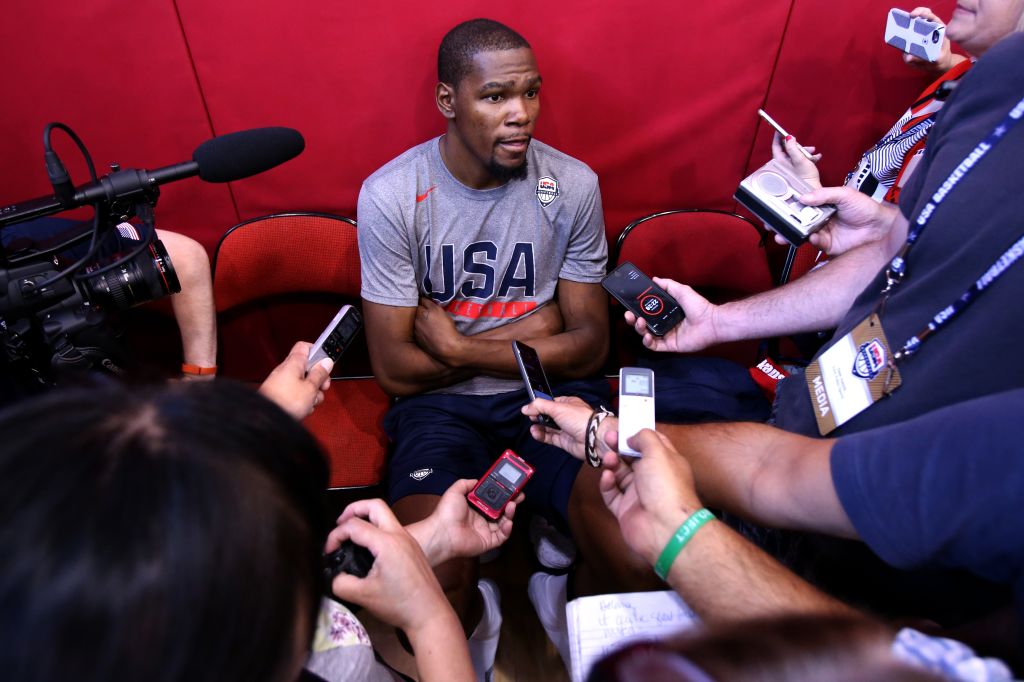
[421, 197]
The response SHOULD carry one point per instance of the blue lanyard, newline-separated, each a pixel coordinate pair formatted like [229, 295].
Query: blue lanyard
[898, 266]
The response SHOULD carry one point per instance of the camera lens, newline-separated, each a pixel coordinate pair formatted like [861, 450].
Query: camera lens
[936, 36]
[147, 277]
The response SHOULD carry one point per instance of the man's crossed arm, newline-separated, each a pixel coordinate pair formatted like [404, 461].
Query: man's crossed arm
[418, 349]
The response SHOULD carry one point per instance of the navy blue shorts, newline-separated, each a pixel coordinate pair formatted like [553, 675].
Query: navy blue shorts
[49, 232]
[438, 438]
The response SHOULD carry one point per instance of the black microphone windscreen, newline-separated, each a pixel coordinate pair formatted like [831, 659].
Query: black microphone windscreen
[234, 156]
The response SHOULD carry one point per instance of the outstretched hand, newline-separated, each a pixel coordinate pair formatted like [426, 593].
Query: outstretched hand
[571, 414]
[696, 332]
[455, 529]
[650, 496]
[294, 391]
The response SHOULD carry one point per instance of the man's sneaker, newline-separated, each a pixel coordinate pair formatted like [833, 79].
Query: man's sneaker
[547, 593]
[483, 643]
[553, 549]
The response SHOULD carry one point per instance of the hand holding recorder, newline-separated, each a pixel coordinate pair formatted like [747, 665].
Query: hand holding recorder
[294, 389]
[454, 529]
[695, 332]
[649, 496]
[773, 192]
[502, 483]
[644, 298]
[336, 337]
[859, 220]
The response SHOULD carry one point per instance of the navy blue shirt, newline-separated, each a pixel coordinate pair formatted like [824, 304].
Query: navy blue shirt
[979, 353]
[942, 490]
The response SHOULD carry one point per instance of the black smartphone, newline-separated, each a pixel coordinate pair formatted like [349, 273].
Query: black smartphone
[536, 381]
[336, 337]
[644, 298]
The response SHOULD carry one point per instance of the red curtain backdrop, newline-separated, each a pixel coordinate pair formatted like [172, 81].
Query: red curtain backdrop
[660, 98]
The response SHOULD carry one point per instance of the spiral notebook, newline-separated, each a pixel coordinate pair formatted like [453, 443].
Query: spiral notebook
[598, 625]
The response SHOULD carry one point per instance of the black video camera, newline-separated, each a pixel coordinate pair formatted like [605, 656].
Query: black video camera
[55, 292]
[59, 280]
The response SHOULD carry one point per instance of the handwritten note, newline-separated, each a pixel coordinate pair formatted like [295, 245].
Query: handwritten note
[601, 624]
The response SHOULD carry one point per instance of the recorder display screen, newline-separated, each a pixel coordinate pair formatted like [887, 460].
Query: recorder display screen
[510, 473]
[348, 327]
[636, 384]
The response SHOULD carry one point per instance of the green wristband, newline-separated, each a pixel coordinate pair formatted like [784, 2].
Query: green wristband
[678, 541]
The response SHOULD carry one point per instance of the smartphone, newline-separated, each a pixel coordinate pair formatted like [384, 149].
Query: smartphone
[502, 482]
[644, 298]
[636, 405]
[336, 337]
[916, 36]
[536, 381]
[781, 131]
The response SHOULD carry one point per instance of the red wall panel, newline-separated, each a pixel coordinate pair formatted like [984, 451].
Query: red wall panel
[652, 100]
[837, 85]
[659, 97]
[120, 75]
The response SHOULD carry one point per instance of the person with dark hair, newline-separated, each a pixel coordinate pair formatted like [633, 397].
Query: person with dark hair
[777, 649]
[175, 532]
[469, 241]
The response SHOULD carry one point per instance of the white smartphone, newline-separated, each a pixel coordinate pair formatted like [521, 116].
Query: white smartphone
[636, 405]
[916, 36]
[336, 337]
[781, 131]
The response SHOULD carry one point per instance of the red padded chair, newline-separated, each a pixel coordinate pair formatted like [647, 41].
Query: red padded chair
[280, 279]
[716, 252]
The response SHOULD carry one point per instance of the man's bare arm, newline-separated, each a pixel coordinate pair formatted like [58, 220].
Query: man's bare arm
[759, 472]
[721, 575]
[764, 474]
[814, 302]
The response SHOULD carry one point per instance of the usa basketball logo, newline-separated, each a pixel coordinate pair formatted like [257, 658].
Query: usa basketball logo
[652, 305]
[870, 359]
[547, 190]
[420, 474]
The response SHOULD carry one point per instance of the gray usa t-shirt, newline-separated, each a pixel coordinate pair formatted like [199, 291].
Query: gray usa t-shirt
[487, 256]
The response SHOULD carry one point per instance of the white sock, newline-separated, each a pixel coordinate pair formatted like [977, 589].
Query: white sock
[553, 549]
[483, 643]
[547, 593]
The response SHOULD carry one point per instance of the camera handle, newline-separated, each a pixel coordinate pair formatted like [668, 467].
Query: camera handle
[81, 339]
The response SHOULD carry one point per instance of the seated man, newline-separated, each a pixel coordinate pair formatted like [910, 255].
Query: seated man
[469, 241]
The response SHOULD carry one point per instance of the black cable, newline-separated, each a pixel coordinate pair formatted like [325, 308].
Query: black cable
[94, 241]
[47, 147]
